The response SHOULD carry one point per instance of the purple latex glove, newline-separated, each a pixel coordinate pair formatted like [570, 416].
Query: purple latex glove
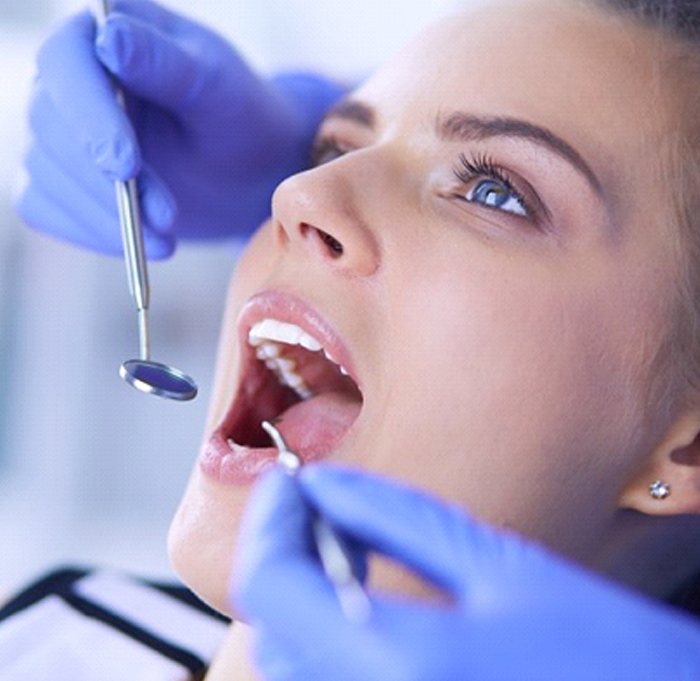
[519, 613]
[208, 139]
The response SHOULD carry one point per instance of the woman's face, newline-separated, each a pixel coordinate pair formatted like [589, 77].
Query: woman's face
[482, 246]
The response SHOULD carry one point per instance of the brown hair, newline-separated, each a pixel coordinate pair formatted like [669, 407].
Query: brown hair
[681, 17]
[678, 23]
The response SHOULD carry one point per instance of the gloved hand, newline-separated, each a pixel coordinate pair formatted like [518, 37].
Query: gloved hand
[208, 138]
[519, 613]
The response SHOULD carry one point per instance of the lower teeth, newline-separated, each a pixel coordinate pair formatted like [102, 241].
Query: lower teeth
[234, 446]
[304, 392]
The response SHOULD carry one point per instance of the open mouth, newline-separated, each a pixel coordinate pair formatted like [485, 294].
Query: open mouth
[289, 376]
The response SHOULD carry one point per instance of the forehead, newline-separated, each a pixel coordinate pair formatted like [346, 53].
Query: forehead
[579, 71]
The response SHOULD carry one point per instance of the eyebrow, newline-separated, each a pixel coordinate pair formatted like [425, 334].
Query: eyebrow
[467, 127]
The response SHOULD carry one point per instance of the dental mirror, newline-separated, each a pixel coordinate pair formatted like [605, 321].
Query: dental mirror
[144, 374]
[158, 379]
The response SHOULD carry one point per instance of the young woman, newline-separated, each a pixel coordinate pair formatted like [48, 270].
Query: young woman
[496, 250]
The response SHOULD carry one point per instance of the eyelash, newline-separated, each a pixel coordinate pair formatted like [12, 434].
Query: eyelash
[466, 172]
[483, 167]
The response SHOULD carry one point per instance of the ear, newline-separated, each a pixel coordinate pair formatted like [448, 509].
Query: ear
[676, 462]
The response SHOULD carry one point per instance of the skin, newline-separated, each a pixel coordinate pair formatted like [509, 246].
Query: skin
[524, 348]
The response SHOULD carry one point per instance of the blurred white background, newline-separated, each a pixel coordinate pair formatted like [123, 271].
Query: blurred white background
[90, 470]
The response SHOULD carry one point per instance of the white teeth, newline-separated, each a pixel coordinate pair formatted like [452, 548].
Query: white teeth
[304, 392]
[273, 330]
[267, 351]
[309, 342]
[286, 365]
[235, 447]
[265, 337]
[330, 358]
[285, 370]
[292, 379]
[281, 332]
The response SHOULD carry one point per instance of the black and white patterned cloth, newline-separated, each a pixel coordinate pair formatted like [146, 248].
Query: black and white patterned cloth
[95, 625]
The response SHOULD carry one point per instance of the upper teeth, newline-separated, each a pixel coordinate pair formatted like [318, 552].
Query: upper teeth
[270, 331]
[265, 335]
[282, 332]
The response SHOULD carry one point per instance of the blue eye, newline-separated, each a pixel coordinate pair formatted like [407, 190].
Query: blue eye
[489, 185]
[495, 194]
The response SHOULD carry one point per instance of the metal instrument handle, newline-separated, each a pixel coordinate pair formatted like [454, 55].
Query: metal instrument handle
[335, 557]
[131, 229]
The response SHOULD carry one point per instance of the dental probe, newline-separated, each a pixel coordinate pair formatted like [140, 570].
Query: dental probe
[142, 373]
[333, 554]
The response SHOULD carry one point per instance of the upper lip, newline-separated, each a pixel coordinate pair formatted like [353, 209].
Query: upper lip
[286, 307]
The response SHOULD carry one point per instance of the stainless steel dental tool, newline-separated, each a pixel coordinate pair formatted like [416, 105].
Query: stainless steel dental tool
[142, 373]
[334, 556]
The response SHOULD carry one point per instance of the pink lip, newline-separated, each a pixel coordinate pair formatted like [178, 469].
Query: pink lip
[243, 466]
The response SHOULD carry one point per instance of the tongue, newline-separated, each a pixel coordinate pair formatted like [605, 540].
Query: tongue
[314, 427]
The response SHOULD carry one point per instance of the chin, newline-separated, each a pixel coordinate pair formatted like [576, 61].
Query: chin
[201, 541]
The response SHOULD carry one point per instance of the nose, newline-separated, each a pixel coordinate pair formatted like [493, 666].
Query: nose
[324, 213]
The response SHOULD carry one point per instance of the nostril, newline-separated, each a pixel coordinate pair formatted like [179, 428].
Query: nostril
[334, 246]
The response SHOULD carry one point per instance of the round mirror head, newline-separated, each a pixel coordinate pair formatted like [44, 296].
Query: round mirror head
[158, 379]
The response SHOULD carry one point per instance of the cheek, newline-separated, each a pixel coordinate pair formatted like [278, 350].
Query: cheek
[202, 537]
[524, 393]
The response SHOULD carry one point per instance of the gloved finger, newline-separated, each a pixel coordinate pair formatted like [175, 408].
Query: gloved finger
[428, 641]
[402, 641]
[53, 137]
[92, 220]
[276, 579]
[410, 526]
[157, 203]
[92, 208]
[40, 213]
[56, 140]
[36, 209]
[165, 69]
[83, 94]
[278, 659]
[54, 214]
[322, 658]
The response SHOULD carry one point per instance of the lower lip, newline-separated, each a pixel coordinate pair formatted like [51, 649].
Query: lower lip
[238, 467]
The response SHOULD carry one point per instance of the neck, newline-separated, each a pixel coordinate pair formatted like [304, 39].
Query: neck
[233, 662]
[656, 555]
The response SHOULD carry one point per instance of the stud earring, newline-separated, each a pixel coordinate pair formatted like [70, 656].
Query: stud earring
[659, 490]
